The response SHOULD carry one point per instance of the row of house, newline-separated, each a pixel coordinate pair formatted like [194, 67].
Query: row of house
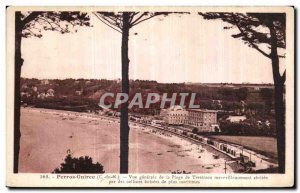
[49, 93]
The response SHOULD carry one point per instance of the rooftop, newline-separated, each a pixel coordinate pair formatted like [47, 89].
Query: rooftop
[203, 110]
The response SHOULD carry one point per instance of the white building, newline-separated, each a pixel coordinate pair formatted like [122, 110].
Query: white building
[236, 119]
[34, 89]
[175, 115]
[50, 93]
[45, 81]
[203, 119]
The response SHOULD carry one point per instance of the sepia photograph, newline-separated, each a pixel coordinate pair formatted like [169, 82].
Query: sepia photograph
[150, 96]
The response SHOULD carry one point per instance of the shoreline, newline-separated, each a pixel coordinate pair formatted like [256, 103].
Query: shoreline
[173, 148]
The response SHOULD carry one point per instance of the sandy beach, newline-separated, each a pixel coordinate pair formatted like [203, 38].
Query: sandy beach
[47, 135]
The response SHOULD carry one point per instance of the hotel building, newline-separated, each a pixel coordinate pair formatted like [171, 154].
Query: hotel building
[203, 119]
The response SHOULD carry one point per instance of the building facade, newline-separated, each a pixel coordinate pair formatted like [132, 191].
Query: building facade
[202, 119]
[175, 115]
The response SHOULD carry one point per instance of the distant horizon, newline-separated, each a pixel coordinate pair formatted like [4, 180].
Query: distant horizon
[249, 83]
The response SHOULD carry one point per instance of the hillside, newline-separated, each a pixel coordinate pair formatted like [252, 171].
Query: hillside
[84, 92]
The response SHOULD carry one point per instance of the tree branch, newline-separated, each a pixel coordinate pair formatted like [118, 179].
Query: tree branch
[109, 25]
[248, 39]
[31, 32]
[137, 19]
[144, 19]
[31, 17]
[132, 16]
[115, 21]
[47, 22]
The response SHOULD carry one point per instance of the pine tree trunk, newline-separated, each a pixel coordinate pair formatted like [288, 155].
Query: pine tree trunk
[280, 125]
[124, 127]
[279, 114]
[17, 101]
[279, 101]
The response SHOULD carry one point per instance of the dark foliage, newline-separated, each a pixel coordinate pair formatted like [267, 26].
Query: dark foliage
[267, 96]
[242, 94]
[79, 165]
[33, 23]
[247, 128]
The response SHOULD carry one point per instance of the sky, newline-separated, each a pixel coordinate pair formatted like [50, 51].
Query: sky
[176, 48]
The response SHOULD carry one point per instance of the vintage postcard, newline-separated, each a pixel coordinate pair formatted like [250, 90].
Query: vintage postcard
[150, 97]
